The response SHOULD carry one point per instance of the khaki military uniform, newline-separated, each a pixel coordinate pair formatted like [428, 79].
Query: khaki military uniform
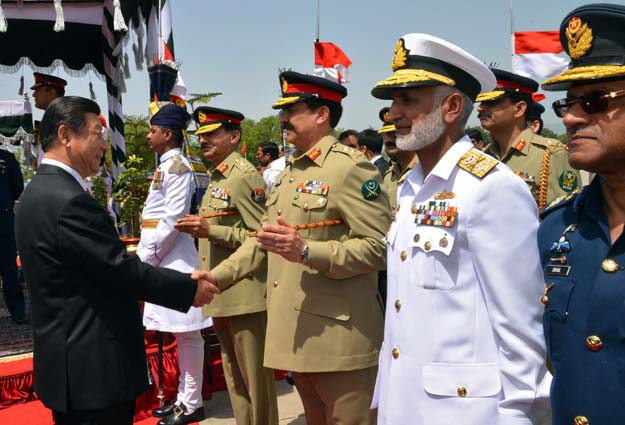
[234, 204]
[542, 163]
[324, 316]
[393, 178]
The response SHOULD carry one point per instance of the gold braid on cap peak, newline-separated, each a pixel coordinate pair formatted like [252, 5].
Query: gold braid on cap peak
[404, 76]
[485, 97]
[587, 73]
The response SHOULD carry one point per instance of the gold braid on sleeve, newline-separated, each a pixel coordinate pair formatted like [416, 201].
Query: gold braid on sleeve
[544, 180]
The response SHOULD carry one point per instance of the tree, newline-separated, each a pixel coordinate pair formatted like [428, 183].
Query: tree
[267, 129]
[136, 128]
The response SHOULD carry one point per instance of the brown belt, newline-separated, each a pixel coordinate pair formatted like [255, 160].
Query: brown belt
[150, 223]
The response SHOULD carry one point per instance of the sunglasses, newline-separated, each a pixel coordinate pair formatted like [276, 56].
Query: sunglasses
[591, 103]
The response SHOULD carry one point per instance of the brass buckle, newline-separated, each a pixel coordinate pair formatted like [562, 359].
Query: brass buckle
[178, 411]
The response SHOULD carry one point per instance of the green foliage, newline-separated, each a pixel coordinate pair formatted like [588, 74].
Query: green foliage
[267, 129]
[130, 191]
[136, 128]
[98, 191]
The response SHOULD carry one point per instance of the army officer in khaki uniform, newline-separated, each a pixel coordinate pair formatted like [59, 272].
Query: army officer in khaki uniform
[324, 321]
[232, 208]
[401, 161]
[542, 163]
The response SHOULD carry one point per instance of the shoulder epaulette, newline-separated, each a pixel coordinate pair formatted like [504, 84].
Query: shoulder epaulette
[554, 145]
[178, 166]
[245, 166]
[389, 170]
[560, 202]
[354, 154]
[477, 163]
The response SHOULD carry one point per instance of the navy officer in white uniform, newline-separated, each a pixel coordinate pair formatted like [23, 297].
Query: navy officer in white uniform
[161, 245]
[463, 340]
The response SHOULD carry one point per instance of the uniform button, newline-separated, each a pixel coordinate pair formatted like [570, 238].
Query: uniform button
[275, 283]
[462, 391]
[609, 265]
[210, 185]
[279, 211]
[427, 246]
[203, 258]
[397, 305]
[403, 255]
[594, 343]
[395, 353]
[291, 180]
[305, 207]
[295, 196]
[544, 300]
[581, 420]
[203, 208]
[394, 207]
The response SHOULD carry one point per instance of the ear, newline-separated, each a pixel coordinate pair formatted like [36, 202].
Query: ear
[519, 109]
[323, 114]
[63, 134]
[235, 136]
[452, 108]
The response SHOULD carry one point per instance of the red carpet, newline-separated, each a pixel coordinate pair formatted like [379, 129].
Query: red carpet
[19, 404]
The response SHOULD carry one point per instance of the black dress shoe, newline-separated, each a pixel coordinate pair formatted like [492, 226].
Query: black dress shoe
[163, 412]
[179, 417]
[20, 320]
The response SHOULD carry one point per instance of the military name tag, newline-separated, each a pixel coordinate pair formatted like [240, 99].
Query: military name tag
[557, 270]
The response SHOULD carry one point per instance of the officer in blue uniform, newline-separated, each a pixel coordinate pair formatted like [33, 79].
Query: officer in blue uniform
[581, 238]
[11, 187]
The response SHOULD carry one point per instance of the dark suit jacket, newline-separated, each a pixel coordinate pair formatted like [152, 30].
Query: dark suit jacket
[11, 186]
[382, 165]
[88, 336]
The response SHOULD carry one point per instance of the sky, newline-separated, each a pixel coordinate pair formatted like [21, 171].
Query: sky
[237, 47]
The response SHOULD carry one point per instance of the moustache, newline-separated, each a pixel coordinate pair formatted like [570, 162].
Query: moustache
[391, 146]
[484, 114]
[572, 131]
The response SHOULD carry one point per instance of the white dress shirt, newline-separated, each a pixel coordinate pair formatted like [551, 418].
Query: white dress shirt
[275, 168]
[463, 340]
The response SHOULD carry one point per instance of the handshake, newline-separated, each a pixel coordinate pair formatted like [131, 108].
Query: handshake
[206, 287]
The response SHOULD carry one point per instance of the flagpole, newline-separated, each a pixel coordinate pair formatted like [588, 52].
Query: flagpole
[511, 36]
[317, 38]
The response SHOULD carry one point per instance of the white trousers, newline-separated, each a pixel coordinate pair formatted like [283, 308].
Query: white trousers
[191, 362]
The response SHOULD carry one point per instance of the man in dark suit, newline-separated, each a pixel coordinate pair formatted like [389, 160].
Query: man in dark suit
[11, 187]
[370, 144]
[89, 358]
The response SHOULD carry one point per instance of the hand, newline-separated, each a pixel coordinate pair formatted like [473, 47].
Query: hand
[206, 287]
[193, 225]
[282, 239]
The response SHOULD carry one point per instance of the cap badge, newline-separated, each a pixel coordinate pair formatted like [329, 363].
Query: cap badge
[399, 56]
[385, 116]
[285, 86]
[201, 116]
[579, 36]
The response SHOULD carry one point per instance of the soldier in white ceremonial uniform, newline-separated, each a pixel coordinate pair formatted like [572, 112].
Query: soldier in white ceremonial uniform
[162, 246]
[463, 341]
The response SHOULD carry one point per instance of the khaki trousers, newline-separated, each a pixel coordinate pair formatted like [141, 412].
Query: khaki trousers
[338, 398]
[251, 386]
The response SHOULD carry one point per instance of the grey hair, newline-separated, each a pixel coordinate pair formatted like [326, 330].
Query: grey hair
[443, 91]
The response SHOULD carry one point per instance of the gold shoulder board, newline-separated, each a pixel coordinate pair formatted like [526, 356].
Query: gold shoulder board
[177, 166]
[476, 163]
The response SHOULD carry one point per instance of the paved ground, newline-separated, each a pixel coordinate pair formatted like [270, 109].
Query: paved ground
[219, 412]
[14, 338]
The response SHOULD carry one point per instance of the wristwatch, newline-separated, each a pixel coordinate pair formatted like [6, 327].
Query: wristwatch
[304, 253]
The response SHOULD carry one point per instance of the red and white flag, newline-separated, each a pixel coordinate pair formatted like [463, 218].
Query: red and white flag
[537, 54]
[331, 62]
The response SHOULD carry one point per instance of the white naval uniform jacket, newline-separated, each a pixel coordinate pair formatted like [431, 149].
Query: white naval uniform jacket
[168, 200]
[463, 340]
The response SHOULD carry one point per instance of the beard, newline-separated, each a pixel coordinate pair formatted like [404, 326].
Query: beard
[423, 133]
